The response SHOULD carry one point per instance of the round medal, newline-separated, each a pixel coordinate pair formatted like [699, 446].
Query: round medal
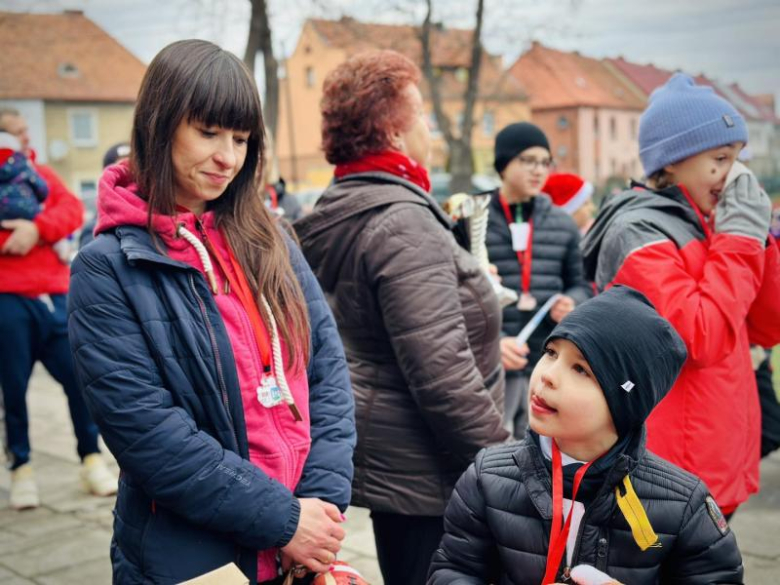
[527, 302]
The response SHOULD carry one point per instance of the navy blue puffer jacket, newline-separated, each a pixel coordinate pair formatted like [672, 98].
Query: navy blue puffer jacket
[155, 363]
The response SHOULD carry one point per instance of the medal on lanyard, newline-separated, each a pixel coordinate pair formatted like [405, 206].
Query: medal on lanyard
[522, 243]
[559, 531]
[269, 393]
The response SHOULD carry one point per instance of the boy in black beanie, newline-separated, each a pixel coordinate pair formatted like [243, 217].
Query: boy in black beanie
[534, 245]
[581, 489]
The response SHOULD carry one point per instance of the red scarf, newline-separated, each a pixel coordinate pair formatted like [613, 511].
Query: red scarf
[390, 161]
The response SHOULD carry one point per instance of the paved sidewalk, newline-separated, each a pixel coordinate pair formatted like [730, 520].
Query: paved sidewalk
[66, 540]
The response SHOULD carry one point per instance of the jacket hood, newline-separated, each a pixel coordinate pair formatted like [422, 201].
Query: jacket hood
[637, 203]
[119, 204]
[342, 212]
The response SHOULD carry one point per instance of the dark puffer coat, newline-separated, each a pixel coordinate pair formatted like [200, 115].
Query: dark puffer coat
[497, 525]
[556, 265]
[157, 370]
[420, 326]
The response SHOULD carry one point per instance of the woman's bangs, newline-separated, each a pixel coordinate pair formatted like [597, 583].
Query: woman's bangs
[224, 96]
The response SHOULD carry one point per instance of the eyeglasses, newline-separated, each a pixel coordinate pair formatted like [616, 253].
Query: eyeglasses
[530, 163]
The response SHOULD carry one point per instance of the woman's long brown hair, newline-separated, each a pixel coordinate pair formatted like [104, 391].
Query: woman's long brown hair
[198, 80]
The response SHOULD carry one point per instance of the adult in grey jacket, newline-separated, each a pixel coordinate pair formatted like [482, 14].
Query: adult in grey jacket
[418, 318]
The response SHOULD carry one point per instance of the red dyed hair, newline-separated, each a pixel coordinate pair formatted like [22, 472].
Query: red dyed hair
[363, 104]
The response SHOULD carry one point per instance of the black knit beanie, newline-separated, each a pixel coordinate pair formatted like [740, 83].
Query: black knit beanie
[635, 354]
[514, 139]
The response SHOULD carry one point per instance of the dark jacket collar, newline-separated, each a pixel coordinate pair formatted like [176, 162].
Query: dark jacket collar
[137, 245]
[542, 205]
[355, 194]
[536, 475]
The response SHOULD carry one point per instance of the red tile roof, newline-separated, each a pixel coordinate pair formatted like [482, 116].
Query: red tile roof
[649, 77]
[646, 77]
[450, 50]
[558, 79]
[64, 57]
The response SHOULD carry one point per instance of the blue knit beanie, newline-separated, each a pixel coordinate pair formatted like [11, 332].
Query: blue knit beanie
[684, 119]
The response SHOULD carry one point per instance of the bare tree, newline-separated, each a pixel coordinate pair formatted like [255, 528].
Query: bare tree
[461, 159]
[260, 40]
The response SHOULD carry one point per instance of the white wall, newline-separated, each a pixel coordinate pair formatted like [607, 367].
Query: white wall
[32, 110]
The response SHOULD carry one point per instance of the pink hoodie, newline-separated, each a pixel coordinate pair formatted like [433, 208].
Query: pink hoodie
[277, 444]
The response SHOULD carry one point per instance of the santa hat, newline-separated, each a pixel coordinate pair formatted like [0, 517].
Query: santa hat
[568, 191]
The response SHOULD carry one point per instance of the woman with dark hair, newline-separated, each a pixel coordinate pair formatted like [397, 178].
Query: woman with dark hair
[418, 318]
[205, 349]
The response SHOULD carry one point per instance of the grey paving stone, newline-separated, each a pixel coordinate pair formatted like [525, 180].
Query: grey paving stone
[61, 551]
[5, 574]
[95, 572]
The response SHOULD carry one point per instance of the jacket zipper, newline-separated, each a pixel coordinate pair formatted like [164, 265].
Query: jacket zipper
[215, 348]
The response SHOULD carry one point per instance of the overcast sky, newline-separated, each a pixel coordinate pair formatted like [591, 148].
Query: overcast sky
[728, 40]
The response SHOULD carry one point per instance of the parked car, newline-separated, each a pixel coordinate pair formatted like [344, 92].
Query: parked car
[440, 185]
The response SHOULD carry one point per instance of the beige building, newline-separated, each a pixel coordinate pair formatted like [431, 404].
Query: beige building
[324, 44]
[589, 112]
[76, 87]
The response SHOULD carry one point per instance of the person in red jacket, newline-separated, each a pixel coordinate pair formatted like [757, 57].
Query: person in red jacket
[33, 291]
[696, 242]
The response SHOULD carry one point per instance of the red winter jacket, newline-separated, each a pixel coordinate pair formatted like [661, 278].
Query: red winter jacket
[722, 293]
[40, 271]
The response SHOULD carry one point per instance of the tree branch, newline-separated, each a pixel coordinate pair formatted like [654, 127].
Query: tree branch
[442, 120]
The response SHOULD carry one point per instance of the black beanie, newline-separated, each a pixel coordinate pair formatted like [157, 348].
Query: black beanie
[514, 139]
[635, 354]
[113, 154]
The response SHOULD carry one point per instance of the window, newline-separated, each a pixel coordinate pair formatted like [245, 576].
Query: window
[563, 123]
[83, 127]
[633, 128]
[613, 167]
[488, 124]
[433, 126]
[68, 70]
[595, 125]
[87, 190]
[613, 128]
[562, 151]
[311, 78]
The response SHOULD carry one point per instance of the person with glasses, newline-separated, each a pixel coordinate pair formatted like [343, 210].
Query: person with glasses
[535, 248]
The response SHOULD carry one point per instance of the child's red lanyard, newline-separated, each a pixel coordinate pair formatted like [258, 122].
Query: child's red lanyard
[704, 225]
[524, 259]
[559, 535]
[244, 293]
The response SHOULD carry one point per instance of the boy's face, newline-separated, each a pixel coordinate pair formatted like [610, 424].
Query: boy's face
[704, 174]
[566, 402]
[525, 174]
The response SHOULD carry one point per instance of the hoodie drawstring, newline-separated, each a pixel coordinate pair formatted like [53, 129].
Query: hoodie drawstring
[276, 348]
[208, 267]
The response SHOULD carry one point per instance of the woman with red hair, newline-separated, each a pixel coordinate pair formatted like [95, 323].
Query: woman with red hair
[418, 318]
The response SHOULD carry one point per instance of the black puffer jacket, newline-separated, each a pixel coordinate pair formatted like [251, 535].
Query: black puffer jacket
[420, 325]
[498, 524]
[556, 265]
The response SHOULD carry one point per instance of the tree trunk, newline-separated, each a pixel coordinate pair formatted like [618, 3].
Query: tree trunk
[260, 40]
[461, 166]
[461, 159]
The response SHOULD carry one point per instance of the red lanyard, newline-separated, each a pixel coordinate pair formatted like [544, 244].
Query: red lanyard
[559, 535]
[244, 293]
[524, 259]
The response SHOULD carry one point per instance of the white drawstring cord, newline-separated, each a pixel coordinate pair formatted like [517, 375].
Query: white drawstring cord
[208, 267]
[276, 348]
[276, 352]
